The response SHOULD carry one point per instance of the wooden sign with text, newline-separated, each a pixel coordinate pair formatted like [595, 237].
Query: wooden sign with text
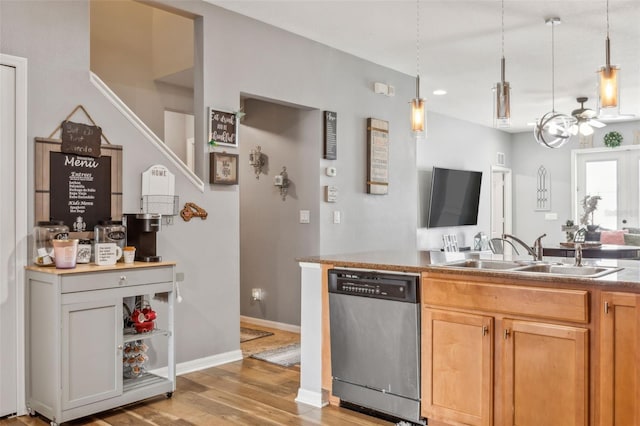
[81, 139]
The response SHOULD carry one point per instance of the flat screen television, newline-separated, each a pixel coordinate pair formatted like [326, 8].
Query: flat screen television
[454, 198]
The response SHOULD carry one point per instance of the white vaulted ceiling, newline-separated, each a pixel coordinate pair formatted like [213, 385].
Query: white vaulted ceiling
[460, 47]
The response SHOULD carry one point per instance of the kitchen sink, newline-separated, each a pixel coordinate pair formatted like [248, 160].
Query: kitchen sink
[535, 268]
[569, 270]
[485, 264]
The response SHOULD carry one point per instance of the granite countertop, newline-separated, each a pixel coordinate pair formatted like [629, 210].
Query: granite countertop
[627, 279]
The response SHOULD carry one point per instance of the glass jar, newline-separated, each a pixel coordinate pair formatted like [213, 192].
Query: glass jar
[111, 231]
[43, 234]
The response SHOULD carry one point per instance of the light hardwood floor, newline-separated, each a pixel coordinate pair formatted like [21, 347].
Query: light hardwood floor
[247, 392]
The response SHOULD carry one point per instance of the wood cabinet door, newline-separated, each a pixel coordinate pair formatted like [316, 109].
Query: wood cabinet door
[91, 352]
[619, 394]
[457, 367]
[545, 374]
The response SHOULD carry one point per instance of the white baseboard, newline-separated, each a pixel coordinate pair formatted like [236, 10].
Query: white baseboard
[201, 363]
[271, 324]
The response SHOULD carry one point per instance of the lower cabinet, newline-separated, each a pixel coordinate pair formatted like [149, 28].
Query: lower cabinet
[91, 359]
[545, 374]
[484, 363]
[619, 385]
[79, 338]
[457, 367]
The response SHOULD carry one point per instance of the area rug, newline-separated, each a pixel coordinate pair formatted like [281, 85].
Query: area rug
[285, 356]
[247, 334]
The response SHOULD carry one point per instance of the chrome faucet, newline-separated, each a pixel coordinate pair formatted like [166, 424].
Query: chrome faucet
[537, 246]
[578, 255]
[536, 251]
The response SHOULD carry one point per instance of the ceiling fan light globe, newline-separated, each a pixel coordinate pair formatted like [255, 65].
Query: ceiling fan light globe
[586, 129]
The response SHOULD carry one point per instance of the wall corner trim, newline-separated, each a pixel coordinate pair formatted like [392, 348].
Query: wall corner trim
[144, 129]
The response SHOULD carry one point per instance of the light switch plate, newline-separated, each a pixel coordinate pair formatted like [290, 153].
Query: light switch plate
[305, 216]
[551, 216]
[336, 217]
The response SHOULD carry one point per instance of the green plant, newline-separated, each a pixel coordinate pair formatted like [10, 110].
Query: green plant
[613, 139]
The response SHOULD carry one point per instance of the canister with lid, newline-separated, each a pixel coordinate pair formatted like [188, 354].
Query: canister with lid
[43, 233]
[111, 231]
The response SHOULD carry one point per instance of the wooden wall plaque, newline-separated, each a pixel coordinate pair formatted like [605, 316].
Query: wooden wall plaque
[377, 156]
[101, 185]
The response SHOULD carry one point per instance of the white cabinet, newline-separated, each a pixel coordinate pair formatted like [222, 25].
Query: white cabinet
[76, 338]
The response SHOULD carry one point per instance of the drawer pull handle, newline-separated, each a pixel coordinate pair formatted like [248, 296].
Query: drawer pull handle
[123, 279]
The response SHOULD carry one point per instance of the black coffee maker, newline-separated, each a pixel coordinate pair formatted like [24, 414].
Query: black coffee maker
[141, 233]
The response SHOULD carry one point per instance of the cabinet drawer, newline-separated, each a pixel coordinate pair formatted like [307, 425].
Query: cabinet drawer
[113, 279]
[550, 303]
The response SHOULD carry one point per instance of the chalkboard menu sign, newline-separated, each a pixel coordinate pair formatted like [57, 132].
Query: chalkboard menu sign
[222, 128]
[81, 139]
[80, 190]
[330, 135]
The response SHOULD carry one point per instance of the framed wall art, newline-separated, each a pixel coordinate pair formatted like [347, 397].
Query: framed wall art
[223, 128]
[223, 168]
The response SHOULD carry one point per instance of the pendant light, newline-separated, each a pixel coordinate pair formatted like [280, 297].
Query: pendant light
[502, 91]
[418, 116]
[608, 88]
[553, 129]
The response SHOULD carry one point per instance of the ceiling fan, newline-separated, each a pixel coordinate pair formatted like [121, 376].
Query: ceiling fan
[585, 119]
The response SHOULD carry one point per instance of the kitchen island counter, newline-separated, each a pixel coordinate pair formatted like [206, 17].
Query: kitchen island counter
[626, 279]
[587, 306]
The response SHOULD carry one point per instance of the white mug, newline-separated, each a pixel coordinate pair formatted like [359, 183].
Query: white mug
[107, 254]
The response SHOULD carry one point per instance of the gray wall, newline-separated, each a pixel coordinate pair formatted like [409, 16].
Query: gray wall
[260, 60]
[271, 236]
[457, 144]
[528, 156]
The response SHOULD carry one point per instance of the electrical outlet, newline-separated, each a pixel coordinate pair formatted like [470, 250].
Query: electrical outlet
[256, 294]
[336, 217]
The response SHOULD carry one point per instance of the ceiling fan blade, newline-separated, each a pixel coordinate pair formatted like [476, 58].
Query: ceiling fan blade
[597, 124]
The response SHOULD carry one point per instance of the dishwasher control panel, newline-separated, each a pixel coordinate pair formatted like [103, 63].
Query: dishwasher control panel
[403, 288]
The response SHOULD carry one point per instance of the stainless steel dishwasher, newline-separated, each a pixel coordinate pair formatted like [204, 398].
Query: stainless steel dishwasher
[375, 341]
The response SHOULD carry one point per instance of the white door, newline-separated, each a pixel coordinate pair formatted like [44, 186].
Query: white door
[614, 175]
[8, 362]
[500, 201]
[13, 231]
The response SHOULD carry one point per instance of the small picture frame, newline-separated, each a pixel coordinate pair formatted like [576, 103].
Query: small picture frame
[222, 128]
[223, 168]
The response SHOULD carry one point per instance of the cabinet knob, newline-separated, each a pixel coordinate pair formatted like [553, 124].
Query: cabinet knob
[123, 279]
[120, 347]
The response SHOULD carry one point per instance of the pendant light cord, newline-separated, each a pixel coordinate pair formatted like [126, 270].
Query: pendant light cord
[607, 18]
[553, 68]
[502, 26]
[418, 37]
[607, 44]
